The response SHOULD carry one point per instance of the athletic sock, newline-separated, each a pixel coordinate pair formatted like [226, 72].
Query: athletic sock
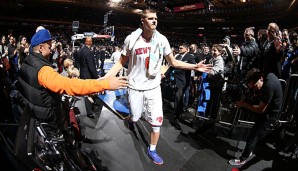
[152, 147]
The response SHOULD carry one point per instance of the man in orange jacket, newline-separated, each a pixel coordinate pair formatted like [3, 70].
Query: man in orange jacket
[41, 86]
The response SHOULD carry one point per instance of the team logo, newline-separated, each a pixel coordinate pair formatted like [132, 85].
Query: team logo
[159, 119]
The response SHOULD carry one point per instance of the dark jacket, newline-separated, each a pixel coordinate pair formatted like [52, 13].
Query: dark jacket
[44, 104]
[249, 54]
[271, 59]
[76, 59]
[182, 76]
[87, 64]
[205, 56]
[103, 54]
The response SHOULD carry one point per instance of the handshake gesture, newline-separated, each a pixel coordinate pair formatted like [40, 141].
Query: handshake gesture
[203, 67]
[116, 82]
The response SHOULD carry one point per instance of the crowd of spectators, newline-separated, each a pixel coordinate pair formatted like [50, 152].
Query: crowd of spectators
[271, 50]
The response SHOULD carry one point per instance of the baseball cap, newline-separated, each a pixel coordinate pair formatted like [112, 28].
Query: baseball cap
[40, 37]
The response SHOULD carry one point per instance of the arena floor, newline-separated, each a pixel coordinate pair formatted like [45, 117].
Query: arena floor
[185, 150]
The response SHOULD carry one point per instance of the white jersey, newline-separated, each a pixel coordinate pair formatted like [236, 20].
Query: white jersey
[116, 56]
[138, 77]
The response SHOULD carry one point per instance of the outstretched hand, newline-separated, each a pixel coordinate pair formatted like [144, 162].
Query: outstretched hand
[118, 82]
[203, 67]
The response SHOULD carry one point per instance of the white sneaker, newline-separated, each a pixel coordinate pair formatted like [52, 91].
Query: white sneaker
[236, 162]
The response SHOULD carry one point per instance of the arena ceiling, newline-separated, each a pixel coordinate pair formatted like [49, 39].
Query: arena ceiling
[202, 17]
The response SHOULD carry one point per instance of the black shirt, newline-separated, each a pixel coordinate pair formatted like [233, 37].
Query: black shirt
[272, 95]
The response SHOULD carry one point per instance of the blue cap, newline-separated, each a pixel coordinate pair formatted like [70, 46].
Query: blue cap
[40, 37]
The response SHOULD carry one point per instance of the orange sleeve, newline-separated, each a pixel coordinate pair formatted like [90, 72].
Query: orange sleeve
[50, 79]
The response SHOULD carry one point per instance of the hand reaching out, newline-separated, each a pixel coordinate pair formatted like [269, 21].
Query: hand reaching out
[118, 82]
[203, 67]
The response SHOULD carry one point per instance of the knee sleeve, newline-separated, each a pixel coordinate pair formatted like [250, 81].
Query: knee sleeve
[156, 128]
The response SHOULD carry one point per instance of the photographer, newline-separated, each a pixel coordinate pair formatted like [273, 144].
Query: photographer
[266, 112]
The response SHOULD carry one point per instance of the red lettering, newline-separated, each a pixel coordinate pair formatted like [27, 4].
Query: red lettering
[138, 51]
[142, 50]
[145, 50]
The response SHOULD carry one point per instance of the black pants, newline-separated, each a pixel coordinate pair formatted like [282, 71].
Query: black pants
[258, 131]
[179, 101]
[88, 105]
[213, 104]
[102, 62]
